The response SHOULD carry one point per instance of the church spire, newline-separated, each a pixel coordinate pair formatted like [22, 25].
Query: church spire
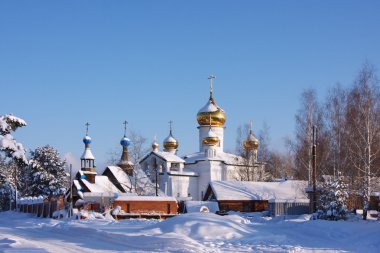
[124, 162]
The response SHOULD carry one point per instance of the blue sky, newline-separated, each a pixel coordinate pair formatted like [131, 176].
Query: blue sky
[63, 63]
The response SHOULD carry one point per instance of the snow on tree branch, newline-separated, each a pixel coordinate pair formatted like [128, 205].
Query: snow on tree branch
[13, 149]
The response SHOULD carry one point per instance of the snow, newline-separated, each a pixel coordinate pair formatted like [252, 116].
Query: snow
[8, 124]
[8, 121]
[209, 107]
[196, 232]
[102, 185]
[169, 157]
[210, 133]
[228, 158]
[87, 154]
[129, 197]
[196, 206]
[170, 139]
[183, 173]
[121, 177]
[77, 185]
[7, 142]
[289, 190]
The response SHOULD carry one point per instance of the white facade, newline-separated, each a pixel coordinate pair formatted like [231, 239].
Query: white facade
[219, 131]
[190, 176]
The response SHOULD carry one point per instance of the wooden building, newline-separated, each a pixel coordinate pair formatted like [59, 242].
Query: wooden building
[280, 198]
[146, 206]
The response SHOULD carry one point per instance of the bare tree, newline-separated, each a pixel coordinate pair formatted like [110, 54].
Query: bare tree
[263, 154]
[363, 116]
[307, 116]
[335, 113]
[281, 165]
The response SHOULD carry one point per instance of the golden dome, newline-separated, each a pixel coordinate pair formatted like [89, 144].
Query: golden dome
[170, 142]
[251, 143]
[213, 112]
[211, 139]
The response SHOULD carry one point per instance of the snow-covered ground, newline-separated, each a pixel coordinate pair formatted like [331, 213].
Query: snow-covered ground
[197, 232]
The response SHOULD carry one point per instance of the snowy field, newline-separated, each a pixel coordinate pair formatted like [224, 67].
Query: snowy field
[200, 232]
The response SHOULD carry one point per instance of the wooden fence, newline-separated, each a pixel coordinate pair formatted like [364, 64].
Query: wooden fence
[41, 207]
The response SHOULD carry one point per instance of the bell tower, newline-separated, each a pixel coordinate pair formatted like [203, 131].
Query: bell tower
[87, 159]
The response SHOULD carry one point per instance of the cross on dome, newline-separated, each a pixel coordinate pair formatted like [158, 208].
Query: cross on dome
[211, 78]
[170, 125]
[87, 125]
[125, 128]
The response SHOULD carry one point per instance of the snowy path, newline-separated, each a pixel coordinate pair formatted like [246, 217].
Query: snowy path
[187, 233]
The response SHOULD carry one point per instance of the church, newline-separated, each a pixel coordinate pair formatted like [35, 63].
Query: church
[182, 178]
[188, 177]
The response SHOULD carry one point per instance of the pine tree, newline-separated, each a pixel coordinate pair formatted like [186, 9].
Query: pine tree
[10, 174]
[47, 172]
[6, 191]
[332, 199]
[13, 149]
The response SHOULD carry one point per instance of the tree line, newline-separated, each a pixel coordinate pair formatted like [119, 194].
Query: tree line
[348, 138]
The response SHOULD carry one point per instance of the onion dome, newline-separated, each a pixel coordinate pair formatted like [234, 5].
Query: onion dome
[211, 110]
[211, 139]
[155, 146]
[211, 113]
[125, 142]
[87, 140]
[170, 142]
[251, 143]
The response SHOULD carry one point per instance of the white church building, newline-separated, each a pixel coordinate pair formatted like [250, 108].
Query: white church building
[188, 177]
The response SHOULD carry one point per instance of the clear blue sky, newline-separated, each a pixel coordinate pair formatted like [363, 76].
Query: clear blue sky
[63, 63]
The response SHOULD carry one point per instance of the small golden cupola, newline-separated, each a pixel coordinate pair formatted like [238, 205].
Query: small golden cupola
[170, 143]
[211, 139]
[251, 143]
[211, 113]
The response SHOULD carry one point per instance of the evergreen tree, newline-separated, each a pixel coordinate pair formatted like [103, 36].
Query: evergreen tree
[6, 189]
[332, 199]
[13, 160]
[47, 172]
[13, 149]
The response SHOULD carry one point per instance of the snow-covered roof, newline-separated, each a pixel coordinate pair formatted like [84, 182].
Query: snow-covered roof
[195, 206]
[167, 156]
[209, 107]
[102, 184]
[121, 176]
[170, 138]
[87, 154]
[220, 156]
[129, 197]
[280, 191]
[77, 185]
[123, 162]
[183, 173]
